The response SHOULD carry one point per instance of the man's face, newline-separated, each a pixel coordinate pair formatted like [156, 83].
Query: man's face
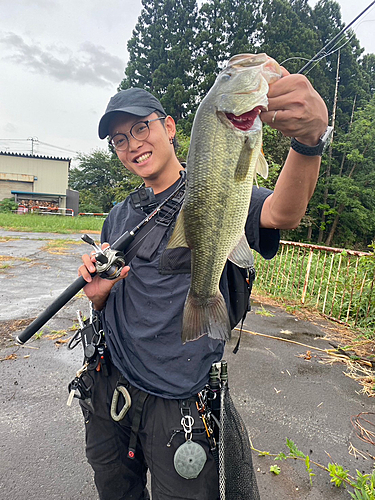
[147, 158]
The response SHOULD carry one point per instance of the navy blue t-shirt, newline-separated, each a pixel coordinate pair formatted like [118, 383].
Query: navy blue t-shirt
[143, 314]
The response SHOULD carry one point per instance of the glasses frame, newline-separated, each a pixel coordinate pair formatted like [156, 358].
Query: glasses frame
[146, 122]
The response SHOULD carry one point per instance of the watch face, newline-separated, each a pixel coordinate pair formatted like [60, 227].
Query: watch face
[326, 138]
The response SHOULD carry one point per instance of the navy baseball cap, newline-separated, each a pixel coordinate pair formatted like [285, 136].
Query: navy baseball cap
[133, 101]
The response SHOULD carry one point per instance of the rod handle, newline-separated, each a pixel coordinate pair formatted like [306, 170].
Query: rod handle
[52, 309]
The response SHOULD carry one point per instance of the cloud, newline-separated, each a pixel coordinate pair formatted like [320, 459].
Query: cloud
[91, 64]
[10, 128]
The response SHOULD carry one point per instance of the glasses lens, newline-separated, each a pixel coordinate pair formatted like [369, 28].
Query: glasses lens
[140, 131]
[119, 142]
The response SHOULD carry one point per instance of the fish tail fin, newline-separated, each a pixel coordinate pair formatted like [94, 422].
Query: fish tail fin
[205, 318]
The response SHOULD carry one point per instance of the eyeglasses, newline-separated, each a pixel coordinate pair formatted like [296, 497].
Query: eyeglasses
[139, 131]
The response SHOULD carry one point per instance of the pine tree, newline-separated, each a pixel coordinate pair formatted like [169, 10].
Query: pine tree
[161, 53]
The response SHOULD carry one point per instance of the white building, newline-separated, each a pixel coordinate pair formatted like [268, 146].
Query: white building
[36, 180]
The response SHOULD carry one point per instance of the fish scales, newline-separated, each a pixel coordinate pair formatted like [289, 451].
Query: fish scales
[221, 164]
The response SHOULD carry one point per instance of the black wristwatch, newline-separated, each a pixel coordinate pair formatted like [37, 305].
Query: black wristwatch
[317, 150]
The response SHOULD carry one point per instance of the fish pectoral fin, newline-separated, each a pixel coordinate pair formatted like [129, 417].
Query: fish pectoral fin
[241, 255]
[178, 238]
[262, 166]
[244, 162]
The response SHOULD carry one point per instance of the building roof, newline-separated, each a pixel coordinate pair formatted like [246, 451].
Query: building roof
[37, 194]
[39, 157]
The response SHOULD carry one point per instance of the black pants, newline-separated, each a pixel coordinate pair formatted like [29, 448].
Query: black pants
[118, 477]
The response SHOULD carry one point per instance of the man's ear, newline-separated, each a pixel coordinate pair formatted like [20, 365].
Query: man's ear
[170, 125]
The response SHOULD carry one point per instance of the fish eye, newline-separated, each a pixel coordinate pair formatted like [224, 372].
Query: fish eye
[226, 76]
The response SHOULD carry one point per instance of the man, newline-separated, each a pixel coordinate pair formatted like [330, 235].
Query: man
[141, 315]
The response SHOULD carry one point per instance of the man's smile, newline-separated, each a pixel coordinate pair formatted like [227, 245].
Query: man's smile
[143, 157]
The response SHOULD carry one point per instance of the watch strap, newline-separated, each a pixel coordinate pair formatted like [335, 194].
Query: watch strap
[317, 150]
[305, 150]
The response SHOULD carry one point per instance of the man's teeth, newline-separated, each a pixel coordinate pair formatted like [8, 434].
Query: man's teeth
[142, 158]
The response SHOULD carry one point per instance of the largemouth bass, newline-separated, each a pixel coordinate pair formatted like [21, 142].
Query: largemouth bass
[225, 152]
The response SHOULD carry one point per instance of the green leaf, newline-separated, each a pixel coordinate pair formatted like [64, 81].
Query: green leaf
[294, 452]
[275, 469]
[338, 474]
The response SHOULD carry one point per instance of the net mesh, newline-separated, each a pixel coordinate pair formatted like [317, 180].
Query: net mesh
[237, 479]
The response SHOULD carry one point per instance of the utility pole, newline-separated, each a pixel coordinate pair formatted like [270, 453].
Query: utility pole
[328, 171]
[32, 139]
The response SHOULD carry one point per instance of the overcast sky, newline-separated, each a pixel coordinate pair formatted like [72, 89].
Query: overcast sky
[61, 61]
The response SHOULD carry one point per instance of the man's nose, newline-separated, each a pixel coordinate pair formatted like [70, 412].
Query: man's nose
[134, 143]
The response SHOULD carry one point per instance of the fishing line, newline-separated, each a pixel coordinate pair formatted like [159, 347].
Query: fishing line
[336, 37]
[330, 53]
[323, 56]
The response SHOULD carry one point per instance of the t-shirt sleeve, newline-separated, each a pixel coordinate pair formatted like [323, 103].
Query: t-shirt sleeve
[104, 233]
[263, 240]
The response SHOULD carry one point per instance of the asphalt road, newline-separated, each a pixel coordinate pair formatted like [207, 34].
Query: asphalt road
[279, 392]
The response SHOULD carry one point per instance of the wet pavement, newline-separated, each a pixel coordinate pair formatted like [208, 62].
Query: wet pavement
[279, 389]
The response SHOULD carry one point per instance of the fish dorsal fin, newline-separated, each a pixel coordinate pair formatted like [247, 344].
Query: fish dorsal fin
[244, 161]
[241, 255]
[178, 238]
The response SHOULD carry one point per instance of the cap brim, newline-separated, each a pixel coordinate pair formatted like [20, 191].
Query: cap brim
[104, 123]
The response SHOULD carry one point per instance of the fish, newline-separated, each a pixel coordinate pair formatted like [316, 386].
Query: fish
[225, 153]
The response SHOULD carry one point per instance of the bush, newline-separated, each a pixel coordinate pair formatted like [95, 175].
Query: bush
[8, 205]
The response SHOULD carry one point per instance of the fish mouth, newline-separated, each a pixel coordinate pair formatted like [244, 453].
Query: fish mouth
[246, 120]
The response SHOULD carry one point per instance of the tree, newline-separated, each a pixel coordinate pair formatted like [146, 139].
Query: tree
[226, 28]
[176, 52]
[101, 180]
[161, 53]
[354, 185]
[350, 204]
[287, 32]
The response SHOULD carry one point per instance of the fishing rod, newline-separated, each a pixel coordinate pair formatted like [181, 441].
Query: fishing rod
[322, 51]
[109, 264]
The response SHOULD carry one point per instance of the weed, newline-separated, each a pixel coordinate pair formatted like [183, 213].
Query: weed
[275, 469]
[338, 284]
[363, 485]
[264, 312]
[60, 247]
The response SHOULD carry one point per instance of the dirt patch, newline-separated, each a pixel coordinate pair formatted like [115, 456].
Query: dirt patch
[337, 333]
[7, 328]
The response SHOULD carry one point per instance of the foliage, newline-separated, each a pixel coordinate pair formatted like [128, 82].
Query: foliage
[183, 142]
[339, 285]
[160, 53]
[363, 485]
[176, 51]
[350, 201]
[101, 180]
[8, 205]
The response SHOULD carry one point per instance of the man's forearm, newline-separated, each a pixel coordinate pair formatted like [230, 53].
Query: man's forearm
[286, 206]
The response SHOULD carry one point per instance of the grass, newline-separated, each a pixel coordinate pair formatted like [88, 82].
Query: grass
[60, 247]
[50, 223]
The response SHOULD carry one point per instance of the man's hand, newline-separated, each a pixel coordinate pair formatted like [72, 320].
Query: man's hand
[97, 288]
[300, 111]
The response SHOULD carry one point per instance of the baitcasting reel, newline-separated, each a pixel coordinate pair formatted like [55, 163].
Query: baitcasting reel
[108, 262]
